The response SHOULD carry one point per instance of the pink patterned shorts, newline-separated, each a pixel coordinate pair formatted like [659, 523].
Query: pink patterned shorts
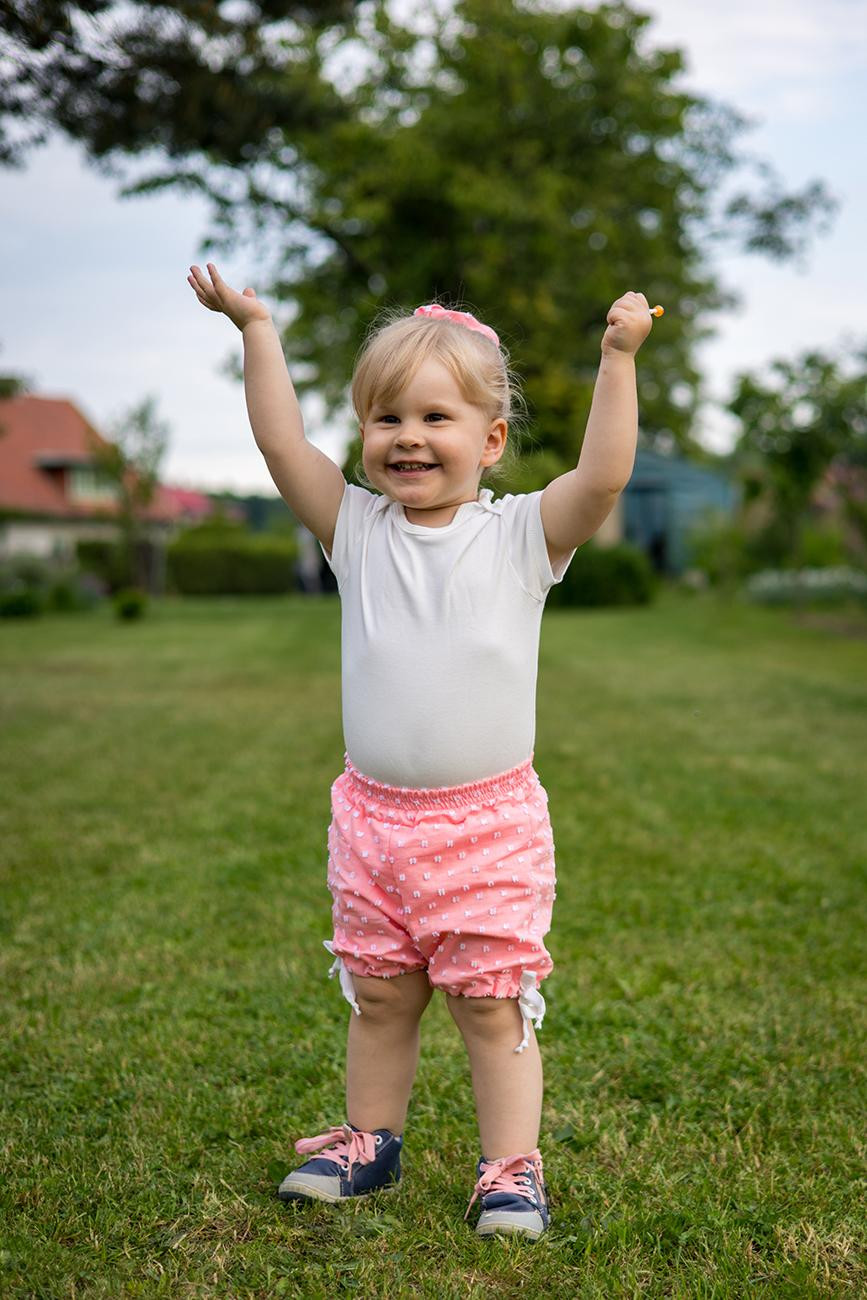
[455, 880]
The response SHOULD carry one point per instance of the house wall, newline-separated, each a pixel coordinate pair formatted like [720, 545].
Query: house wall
[56, 538]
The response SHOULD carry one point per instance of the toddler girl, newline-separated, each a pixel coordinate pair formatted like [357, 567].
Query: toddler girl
[440, 850]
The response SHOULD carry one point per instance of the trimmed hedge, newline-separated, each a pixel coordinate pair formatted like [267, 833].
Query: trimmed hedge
[229, 563]
[606, 575]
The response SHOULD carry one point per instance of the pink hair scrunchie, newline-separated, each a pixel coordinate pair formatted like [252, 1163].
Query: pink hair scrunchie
[460, 318]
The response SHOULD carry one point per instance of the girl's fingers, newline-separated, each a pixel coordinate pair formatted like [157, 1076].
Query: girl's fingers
[204, 283]
[199, 283]
[203, 299]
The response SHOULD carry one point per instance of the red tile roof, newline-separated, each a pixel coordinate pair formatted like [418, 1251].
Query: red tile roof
[41, 438]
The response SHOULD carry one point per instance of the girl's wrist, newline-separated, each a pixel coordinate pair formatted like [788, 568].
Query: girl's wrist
[618, 355]
[256, 320]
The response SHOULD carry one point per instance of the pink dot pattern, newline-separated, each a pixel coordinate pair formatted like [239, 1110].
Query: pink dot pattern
[455, 880]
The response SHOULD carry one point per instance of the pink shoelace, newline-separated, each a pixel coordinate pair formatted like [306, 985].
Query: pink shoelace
[341, 1144]
[502, 1176]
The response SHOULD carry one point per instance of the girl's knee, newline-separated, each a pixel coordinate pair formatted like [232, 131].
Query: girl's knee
[401, 995]
[484, 1017]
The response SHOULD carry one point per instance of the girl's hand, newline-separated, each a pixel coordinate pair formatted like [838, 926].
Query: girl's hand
[215, 294]
[629, 323]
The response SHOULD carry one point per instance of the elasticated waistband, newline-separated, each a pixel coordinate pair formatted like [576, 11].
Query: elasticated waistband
[516, 781]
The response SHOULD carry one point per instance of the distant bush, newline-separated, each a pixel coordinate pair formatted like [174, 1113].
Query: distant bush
[21, 602]
[105, 560]
[130, 603]
[32, 584]
[224, 559]
[729, 552]
[821, 546]
[720, 547]
[606, 575]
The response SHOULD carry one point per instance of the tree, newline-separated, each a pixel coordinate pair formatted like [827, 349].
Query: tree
[536, 164]
[14, 386]
[810, 415]
[130, 460]
[182, 77]
[531, 163]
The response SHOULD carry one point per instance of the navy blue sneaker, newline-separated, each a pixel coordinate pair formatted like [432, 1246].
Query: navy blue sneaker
[352, 1163]
[514, 1196]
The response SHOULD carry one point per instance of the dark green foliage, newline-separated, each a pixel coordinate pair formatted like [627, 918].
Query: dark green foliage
[229, 561]
[32, 584]
[606, 575]
[130, 603]
[105, 559]
[542, 168]
[262, 513]
[184, 77]
[20, 601]
[808, 416]
[14, 386]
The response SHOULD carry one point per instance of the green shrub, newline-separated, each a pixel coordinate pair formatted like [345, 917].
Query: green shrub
[228, 561]
[72, 591]
[720, 547]
[30, 584]
[821, 546]
[130, 603]
[104, 559]
[606, 575]
[21, 601]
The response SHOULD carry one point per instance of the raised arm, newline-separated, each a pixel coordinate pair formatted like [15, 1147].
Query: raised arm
[310, 484]
[575, 505]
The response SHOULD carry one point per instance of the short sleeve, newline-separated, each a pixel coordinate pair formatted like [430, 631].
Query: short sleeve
[355, 506]
[528, 549]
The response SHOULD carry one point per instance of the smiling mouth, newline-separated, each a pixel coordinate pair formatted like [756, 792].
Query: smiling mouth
[407, 467]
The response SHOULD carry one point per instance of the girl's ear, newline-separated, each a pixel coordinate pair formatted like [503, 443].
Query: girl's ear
[497, 436]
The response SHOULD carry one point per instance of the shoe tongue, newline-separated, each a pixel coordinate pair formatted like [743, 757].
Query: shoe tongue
[385, 1133]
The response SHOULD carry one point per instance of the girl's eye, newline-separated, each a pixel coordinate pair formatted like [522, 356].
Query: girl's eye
[431, 415]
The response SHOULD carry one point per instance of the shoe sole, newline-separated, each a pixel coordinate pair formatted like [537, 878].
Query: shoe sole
[508, 1229]
[303, 1192]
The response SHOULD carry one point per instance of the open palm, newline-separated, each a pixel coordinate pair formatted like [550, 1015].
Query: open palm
[216, 295]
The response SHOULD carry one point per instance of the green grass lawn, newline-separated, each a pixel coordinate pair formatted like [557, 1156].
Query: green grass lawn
[168, 1029]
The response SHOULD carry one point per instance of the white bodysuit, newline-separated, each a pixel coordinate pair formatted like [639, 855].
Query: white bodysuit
[440, 636]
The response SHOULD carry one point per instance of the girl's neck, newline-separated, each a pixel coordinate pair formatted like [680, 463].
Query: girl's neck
[438, 517]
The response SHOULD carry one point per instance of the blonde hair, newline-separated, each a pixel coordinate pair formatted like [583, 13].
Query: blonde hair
[397, 345]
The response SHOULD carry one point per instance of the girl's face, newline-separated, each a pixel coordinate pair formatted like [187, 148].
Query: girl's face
[430, 423]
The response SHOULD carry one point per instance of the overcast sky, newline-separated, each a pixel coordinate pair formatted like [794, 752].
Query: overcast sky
[96, 307]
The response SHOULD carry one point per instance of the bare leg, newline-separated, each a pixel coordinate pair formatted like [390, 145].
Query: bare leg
[507, 1084]
[382, 1049]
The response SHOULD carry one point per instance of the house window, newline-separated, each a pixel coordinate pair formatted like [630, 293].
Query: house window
[88, 484]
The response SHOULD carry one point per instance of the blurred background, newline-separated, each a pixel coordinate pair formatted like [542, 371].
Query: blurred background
[530, 161]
